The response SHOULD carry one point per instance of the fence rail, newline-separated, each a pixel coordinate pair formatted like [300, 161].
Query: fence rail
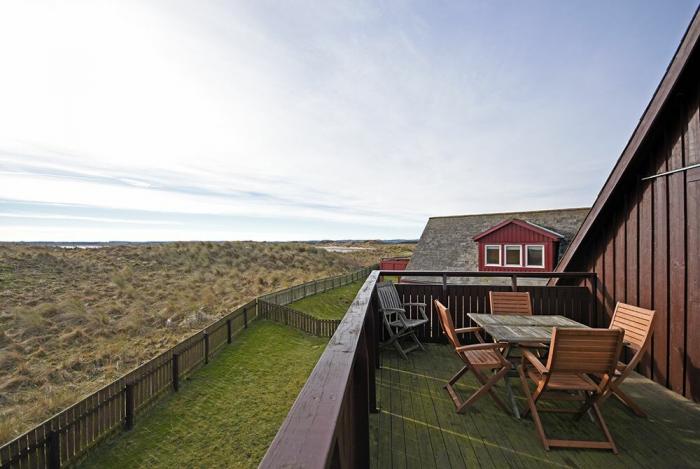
[298, 292]
[297, 319]
[67, 435]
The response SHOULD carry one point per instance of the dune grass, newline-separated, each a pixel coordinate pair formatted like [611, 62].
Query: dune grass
[72, 320]
[332, 304]
[227, 413]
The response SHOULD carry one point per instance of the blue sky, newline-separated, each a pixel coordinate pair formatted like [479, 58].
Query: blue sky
[180, 120]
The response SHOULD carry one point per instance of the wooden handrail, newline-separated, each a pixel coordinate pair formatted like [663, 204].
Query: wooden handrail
[456, 273]
[329, 420]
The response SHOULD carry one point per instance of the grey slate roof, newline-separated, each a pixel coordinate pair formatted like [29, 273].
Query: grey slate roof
[447, 244]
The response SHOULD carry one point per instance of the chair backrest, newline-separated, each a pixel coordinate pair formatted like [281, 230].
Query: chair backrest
[448, 327]
[388, 296]
[510, 302]
[582, 350]
[638, 324]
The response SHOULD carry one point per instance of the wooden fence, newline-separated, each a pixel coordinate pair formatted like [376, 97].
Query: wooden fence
[65, 437]
[297, 319]
[298, 292]
[574, 302]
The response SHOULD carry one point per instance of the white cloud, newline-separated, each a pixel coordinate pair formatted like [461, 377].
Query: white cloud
[342, 111]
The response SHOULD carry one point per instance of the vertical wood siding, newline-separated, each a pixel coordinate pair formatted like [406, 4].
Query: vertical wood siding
[645, 246]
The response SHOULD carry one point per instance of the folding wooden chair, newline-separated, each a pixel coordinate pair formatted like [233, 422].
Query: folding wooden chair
[396, 323]
[477, 358]
[574, 353]
[638, 324]
[510, 302]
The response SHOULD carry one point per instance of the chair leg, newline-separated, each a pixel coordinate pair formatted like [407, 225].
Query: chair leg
[418, 342]
[533, 408]
[487, 385]
[451, 390]
[461, 406]
[625, 399]
[604, 427]
[399, 349]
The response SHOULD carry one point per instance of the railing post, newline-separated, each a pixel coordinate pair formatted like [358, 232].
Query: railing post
[129, 397]
[361, 406]
[228, 331]
[370, 344]
[53, 450]
[176, 374]
[206, 347]
[593, 310]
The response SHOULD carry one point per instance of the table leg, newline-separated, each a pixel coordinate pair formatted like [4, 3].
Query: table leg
[506, 382]
[511, 396]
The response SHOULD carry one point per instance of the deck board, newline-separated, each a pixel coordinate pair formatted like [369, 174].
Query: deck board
[418, 427]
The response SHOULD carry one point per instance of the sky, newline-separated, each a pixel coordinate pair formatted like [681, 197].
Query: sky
[298, 120]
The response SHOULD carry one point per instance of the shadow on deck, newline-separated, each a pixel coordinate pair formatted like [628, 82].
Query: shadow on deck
[417, 425]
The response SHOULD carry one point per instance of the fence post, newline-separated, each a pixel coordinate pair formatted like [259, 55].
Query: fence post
[514, 282]
[129, 420]
[206, 347]
[245, 317]
[53, 450]
[176, 374]
[228, 331]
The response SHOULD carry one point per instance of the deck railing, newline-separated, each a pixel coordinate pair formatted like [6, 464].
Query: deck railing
[328, 425]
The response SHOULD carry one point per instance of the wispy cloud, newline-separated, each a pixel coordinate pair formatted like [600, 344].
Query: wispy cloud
[313, 120]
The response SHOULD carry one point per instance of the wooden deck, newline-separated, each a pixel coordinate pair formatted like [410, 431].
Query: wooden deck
[418, 427]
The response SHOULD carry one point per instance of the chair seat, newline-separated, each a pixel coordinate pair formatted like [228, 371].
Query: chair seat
[565, 381]
[483, 358]
[409, 323]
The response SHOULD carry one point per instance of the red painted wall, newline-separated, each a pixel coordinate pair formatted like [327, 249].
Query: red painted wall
[394, 263]
[516, 234]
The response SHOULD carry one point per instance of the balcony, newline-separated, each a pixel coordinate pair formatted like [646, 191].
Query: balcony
[362, 407]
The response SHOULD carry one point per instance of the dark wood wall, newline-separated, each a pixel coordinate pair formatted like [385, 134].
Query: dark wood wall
[645, 245]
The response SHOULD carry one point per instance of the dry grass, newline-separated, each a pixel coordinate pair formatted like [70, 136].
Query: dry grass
[71, 320]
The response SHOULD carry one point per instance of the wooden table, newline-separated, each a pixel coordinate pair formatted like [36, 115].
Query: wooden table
[518, 329]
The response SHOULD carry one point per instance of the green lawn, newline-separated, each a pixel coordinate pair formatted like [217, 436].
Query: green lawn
[332, 304]
[227, 413]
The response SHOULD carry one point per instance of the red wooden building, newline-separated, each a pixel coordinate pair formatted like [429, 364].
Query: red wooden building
[394, 263]
[517, 245]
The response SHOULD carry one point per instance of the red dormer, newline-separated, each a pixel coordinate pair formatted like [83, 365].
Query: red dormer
[519, 246]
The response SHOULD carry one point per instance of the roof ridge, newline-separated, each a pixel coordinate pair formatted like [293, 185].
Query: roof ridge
[512, 213]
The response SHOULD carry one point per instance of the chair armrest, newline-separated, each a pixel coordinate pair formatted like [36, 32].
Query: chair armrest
[421, 309]
[393, 310]
[529, 356]
[486, 346]
[464, 330]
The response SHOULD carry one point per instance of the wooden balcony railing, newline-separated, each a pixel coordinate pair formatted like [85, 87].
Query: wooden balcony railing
[328, 425]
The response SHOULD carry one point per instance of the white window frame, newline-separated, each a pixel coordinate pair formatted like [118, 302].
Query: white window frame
[527, 261]
[505, 255]
[486, 257]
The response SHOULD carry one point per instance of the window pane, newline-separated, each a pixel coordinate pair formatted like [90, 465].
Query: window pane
[535, 256]
[493, 255]
[513, 255]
